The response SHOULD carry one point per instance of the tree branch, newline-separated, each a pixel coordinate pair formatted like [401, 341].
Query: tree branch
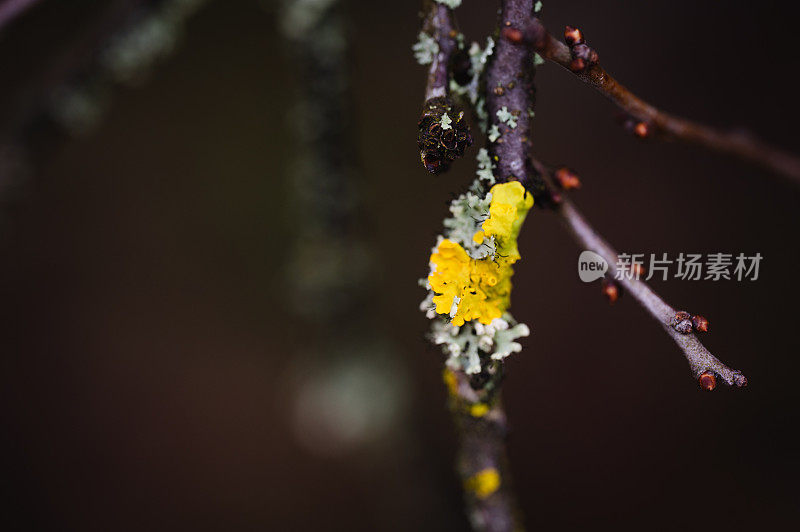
[651, 120]
[475, 400]
[482, 462]
[443, 130]
[510, 98]
[704, 366]
[438, 23]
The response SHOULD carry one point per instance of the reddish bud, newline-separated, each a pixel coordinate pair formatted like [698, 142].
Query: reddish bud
[577, 65]
[584, 52]
[567, 179]
[641, 130]
[512, 35]
[707, 381]
[699, 323]
[573, 36]
[682, 322]
[611, 290]
[739, 380]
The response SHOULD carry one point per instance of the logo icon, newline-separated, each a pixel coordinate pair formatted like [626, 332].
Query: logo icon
[591, 266]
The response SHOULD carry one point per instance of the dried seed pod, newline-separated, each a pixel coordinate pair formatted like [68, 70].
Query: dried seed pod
[443, 134]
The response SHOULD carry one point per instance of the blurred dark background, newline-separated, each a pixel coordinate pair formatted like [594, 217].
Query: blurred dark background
[150, 365]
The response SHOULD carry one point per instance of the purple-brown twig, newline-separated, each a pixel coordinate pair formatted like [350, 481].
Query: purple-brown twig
[510, 99]
[648, 120]
[438, 23]
[678, 324]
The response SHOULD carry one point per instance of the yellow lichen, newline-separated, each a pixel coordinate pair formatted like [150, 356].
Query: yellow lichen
[483, 287]
[450, 381]
[478, 409]
[510, 204]
[483, 483]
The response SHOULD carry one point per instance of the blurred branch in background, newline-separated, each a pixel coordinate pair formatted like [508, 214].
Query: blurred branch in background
[11, 9]
[118, 44]
[350, 391]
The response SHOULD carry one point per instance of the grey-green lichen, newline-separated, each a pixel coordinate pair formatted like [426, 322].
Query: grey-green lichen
[537, 60]
[494, 133]
[464, 344]
[485, 167]
[537, 7]
[425, 49]
[446, 121]
[452, 4]
[471, 346]
[506, 117]
[468, 212]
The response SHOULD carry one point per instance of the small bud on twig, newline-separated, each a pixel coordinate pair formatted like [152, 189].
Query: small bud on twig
[700, 323]
[707, 381]
[682, 322]
[577, 64]
[512, 34]
[611, 290]
[642, 130]
[567, 179]
[573, 36]
[583, 51]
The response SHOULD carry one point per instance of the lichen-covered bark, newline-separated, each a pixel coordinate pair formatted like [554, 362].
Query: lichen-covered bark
[509, 89]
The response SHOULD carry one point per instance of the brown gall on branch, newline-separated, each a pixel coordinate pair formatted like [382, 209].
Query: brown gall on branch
[510, 95]
[443, 134]
[677, 324]
[443, 130]
[645, 119]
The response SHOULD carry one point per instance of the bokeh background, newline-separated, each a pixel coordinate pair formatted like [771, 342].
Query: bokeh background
[155, 376]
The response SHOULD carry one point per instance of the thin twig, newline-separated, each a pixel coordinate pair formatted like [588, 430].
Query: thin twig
[439, 25]
[654, 121]
[700, 360]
